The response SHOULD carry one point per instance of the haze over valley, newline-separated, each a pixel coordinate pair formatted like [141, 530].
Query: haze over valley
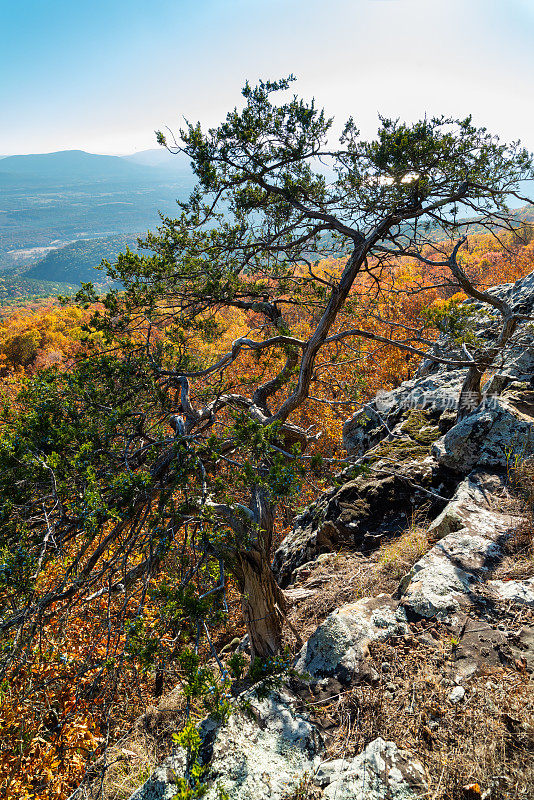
[62, 213]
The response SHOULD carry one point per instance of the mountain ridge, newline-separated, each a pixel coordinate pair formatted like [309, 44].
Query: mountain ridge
[73, 166]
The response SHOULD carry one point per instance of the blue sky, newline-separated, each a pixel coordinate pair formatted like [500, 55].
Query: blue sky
[102, 75]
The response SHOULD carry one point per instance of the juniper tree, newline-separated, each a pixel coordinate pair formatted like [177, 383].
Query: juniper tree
[149, 450]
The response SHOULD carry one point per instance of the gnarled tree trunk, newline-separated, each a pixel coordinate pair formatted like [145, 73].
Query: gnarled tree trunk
[471, 393]
[263, 603]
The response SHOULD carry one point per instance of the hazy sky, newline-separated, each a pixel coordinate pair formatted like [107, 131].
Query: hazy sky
[101, 75]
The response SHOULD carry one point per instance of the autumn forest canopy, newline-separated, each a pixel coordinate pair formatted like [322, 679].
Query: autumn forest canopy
[158, 440]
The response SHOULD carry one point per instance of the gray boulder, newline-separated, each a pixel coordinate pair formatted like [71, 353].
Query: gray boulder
[340, 646]
[382, 437]
[261, 752]
[472, 531]
[377, 499]
[377, 419]
[381, 771]
[520, 593]
[492, 435]
[473, 506]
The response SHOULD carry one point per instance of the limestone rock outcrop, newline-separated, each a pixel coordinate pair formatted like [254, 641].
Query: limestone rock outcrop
[340, 645]
[381, 771]
[410, 452]
[445, 578]
[259, 752]
[376, 498]
[491, 436]
[517, 592]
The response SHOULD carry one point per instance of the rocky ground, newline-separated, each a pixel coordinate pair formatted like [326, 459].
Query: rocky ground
[412, 581]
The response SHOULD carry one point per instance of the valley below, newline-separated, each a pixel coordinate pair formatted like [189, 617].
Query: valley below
[51, 202]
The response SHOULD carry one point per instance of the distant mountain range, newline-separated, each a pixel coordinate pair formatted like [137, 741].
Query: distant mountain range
[64, 200]
[71, 167]
[160, 158]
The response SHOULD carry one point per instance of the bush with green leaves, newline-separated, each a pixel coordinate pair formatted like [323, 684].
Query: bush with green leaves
[457, 319]
[190, 786]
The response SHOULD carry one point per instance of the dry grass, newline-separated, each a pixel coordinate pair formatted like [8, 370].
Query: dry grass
[129, 764]
[306, 790]
[488, 739]
[396, 558]
[130, 761]
[518, 561]
[346, 577]
[484, 740]
[340, 578]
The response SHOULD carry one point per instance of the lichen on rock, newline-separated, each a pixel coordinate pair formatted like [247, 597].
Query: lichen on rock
[409, 452]
[260, 752]
[381, 771]
[339, 646]
[470, 533]
[489, 437]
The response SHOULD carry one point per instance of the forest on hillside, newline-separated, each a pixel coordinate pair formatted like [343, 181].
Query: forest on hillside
[159, 438]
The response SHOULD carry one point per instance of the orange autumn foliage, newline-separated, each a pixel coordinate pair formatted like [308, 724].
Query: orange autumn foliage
[33, 339]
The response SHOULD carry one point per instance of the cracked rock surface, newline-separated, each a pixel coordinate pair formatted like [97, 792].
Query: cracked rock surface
[340, 645]
[381, 771]
[258, 753]
[443, 580]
